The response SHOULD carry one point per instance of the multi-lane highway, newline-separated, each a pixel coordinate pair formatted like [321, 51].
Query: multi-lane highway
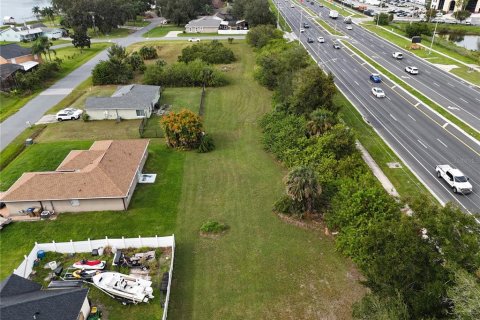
[450, 92]
[419, 136]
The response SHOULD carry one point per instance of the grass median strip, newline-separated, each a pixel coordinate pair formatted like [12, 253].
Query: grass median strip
[406, 183]
[417, 94]
[433, 57]
[327, 27]
[283, 24]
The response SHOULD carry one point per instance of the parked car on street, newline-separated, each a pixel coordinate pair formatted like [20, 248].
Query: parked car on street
[69, 114]
[378, 92]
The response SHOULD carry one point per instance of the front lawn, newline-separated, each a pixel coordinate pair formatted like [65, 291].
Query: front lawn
[71, 57]
[161, 31]
[261, 268]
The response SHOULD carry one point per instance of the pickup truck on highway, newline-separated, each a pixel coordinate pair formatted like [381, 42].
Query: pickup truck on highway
[455, 179]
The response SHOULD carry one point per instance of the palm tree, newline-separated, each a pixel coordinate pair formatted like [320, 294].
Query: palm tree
[302, 186]
[36, 11]
[43, 46]
[320, 121]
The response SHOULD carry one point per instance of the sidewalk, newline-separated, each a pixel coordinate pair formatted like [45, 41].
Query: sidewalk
[35, 108]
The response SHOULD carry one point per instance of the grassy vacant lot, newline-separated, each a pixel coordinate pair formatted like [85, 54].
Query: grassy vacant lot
[461, 71]
[262, 268]
[161, 31]
[71, 57]
[167, 50]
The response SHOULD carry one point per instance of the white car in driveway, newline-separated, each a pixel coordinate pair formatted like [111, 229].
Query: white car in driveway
[69, 114]
[321, 39]
[411, 70]
[193, 39]
[378, 92]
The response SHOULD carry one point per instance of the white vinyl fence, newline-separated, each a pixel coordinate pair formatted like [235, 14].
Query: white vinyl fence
[25, 268]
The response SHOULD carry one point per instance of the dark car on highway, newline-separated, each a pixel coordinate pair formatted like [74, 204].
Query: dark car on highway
[310, 40]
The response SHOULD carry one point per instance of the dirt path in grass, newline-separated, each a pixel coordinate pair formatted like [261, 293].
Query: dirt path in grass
[262, 268]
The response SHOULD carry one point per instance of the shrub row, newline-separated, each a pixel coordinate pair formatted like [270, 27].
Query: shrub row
[420, 266]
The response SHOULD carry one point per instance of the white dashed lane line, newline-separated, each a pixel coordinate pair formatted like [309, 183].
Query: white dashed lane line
[442, 143]
[420, 141]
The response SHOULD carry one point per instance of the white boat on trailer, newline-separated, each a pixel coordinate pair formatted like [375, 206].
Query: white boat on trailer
[123, 287]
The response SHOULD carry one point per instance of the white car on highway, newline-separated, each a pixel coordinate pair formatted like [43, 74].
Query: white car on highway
[321, 39]
[193, 39]
[349, 27]
[69, 114]
[378, 92]
[411, 70]
[302, 30]
[455, 179]
[398, 55]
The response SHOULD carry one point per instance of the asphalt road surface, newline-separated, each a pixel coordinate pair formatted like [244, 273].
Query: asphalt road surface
[419, 136]
[458, 97]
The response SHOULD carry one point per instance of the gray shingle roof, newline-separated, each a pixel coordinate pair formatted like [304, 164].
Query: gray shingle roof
[7, 69]
[205, 22]
[131, 97]
[22, 298]
[9, 51]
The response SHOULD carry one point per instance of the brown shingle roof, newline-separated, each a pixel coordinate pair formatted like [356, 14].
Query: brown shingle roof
[105, 171]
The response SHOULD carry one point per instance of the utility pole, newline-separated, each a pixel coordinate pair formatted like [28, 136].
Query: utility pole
[301, 19]
[278, 15]
[93, 20]
[433, 37]
[379, 13]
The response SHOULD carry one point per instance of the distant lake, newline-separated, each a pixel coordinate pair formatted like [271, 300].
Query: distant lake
[470, 42]
[21, 10]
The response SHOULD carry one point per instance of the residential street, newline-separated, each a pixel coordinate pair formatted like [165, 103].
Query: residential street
[35, 108]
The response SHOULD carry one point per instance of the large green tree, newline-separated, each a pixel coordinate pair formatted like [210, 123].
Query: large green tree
[260, 35]
[312, 89]
[80, 39]
[465, 295]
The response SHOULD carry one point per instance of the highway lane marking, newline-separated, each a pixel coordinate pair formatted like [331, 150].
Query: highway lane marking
[442, 143]
[417, 104]
[356, 83]
[452, 108]
[428, 72]
[355, 69]
[434, 121]
[343, 70]
[388, 98]
[391, 115]
[420, 141]
[436, 84]
[464, 100]
[477, 99]
[451, 85]
[393, 87]
[412, 117]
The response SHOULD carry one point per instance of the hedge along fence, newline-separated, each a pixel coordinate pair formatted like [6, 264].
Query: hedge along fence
[25, 268]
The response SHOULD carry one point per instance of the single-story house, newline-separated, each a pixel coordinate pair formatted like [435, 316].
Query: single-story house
[99, 179]
[15, 54]
[22, 299]
[30, 33]
[207, 24]
[133, 101]
[8, 20]
[7, 72]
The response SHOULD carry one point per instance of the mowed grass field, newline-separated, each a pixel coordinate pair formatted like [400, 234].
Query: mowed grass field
[262, 268]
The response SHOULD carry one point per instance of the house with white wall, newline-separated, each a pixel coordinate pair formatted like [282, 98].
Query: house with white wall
[133, 101]
[102, 178]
